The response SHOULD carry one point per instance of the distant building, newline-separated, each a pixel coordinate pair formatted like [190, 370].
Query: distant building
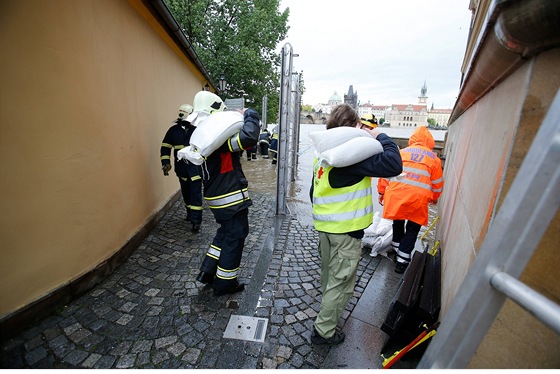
[334, 100]
[379, 111]
[395, 115]
[410, 115]
[441, 116]
[351, 98]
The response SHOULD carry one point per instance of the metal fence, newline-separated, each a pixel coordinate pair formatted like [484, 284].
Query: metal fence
[288, 133]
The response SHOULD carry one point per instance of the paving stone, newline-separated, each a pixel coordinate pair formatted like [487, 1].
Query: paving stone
[79, 335]
[177, 349]
[34, 356]
[121, 349]
[91, 360]
[33, 343]
[141, 346]
[165, 341]
[125, 319]
[126, 361]
[105, 362]
[142, 359]
[191, 355]
[75, 357]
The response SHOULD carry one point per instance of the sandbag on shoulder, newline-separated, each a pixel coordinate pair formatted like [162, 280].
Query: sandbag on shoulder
[344, 146]
[210, 134]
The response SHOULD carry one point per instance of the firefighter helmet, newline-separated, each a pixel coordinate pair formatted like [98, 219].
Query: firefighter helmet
[185, 110]
[206, 102]
[369, 120]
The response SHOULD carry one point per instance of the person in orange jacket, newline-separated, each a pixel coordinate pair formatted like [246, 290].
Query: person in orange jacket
[405, 200]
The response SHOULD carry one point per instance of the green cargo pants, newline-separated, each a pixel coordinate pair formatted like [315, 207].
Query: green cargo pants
[340, 255]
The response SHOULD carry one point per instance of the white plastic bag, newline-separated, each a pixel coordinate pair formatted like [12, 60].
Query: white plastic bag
[378, 235]
[381, 244]
[384, 226]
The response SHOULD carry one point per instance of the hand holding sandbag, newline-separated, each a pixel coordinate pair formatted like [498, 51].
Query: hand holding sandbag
[373, 132]
[191, 154]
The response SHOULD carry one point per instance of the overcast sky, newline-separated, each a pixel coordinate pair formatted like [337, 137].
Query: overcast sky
[386, 49]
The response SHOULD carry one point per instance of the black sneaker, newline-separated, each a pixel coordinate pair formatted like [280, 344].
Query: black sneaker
[400, 267]
[337, 338]
[238, 288]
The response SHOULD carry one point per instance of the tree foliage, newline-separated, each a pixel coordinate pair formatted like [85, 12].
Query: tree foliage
[237, 38]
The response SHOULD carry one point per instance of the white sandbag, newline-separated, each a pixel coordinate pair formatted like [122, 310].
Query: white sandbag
[351, 152]
[326, 139]
[210, 134]
[344, 146]
[382, 244]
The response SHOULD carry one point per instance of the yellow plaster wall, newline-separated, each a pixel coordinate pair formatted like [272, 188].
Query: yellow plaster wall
[88, 90]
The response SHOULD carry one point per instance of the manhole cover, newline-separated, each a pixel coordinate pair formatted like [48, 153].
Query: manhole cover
[246, 328]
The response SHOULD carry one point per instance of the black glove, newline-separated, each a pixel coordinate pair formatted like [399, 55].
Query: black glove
[166, 169]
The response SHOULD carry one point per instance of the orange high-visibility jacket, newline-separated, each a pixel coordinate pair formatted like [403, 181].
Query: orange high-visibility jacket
[407, 198]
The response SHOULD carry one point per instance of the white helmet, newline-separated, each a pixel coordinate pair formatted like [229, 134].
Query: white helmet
[185, 110]
[207, 102]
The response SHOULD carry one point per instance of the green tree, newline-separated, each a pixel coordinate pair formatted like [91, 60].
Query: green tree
[431, 122]
[306, 108]
[237, 38]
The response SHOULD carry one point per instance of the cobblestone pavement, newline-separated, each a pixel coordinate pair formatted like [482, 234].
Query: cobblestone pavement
[151, 313]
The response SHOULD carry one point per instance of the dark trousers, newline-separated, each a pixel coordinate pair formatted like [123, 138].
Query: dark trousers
[192, 196]
[252, 153]
[264, 149]
[406, 237]
[224, 255]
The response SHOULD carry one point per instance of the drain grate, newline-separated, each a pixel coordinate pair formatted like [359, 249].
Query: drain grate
[246, 328]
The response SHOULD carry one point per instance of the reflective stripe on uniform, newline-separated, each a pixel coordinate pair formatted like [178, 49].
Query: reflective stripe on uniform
[416, 184]
[416, 171]
[166, 145]
[336, 217]
[227, 274]
[230, 199]
[342, 197]
[404, 256]
[196, 178]
[234, 144]
[214, 252]
[194, 207]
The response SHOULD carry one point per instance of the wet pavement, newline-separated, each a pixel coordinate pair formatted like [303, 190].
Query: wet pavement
[151, 312]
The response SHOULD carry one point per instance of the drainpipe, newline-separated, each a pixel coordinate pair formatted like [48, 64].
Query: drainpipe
[159, 8]
[516, 31]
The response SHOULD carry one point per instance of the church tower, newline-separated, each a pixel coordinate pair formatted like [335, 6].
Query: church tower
[352, 98]
[423, 99]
